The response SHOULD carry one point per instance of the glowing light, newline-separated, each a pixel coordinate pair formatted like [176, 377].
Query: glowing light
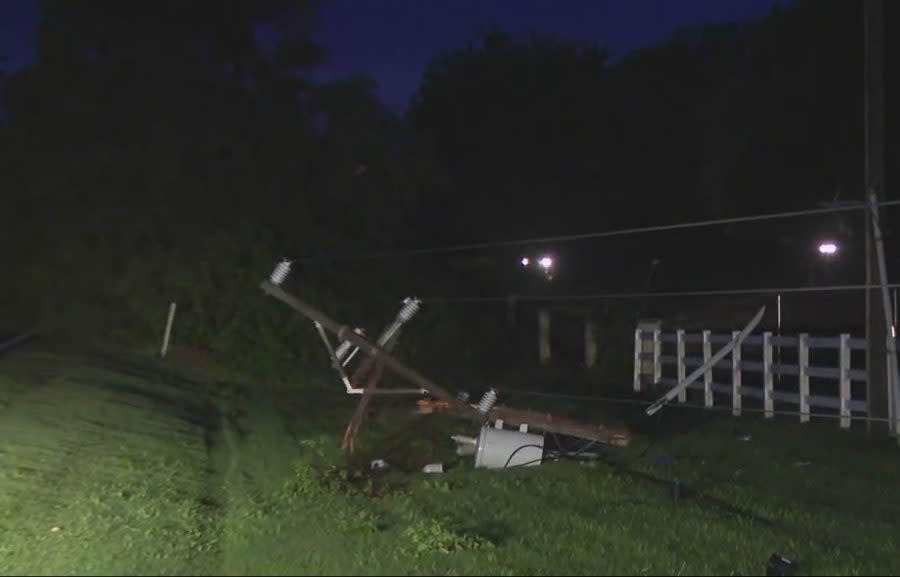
[828, 248]
[546, 262]
[525, 261]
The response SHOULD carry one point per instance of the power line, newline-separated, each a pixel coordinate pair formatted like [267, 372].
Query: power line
[642, 295]
[406, 253]
[642, 403]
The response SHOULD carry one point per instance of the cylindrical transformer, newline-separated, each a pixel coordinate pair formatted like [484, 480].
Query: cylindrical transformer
[499, 449]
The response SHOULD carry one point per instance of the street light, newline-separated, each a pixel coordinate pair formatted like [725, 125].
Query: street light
[544, 264]
[828, 248]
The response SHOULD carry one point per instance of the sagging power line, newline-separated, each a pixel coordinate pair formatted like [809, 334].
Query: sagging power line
[408, 253]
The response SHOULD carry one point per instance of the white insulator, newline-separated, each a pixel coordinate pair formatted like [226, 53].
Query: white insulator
[410, 308]
[343, 349]
[487, 402]
[281, 272]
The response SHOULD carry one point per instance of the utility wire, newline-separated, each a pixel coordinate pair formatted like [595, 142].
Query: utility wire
[405, 253]
[13, 342]
[642, 295]
[638, 402]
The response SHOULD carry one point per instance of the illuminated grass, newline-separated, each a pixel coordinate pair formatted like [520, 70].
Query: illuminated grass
[152, 469]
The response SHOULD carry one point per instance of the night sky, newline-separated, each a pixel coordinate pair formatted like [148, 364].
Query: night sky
[392, 40]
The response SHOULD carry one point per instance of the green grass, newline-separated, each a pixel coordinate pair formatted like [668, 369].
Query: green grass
[172, 468]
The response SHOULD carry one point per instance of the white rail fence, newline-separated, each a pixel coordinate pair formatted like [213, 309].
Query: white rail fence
[781, 382]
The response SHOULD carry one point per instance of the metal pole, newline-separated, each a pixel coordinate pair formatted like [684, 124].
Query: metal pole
[778, 372]
[889, 336]
[894, 326]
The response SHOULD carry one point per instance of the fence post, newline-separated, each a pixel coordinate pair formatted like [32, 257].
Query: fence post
[682, 373]
[736, 400]
[657, 356]
[803, 352]
[768, 378]
[168, 334]
[845, 381]
[590, 344]
[708, 398]
[638, 359]
[544, 336]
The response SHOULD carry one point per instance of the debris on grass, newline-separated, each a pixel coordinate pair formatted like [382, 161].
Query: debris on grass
[465, 446]
[663, 461]
[780, 565]
[433, 469]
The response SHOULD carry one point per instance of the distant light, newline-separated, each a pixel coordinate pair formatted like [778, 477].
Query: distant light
[828, 248]
[546, 262]
[525, 261]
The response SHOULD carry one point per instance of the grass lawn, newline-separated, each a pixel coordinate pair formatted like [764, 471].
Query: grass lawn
[117, 464]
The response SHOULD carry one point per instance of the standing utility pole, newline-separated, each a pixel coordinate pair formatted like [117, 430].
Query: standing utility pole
[876, 328]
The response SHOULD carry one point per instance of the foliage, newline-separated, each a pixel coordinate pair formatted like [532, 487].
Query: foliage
[431, 536]
[158, 153]
[180, 164]
[546, 137]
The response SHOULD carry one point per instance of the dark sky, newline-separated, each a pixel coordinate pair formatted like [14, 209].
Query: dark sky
[392, 40]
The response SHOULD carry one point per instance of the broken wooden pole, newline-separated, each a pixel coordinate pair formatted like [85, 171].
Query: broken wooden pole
[562, 426]
[360, 414]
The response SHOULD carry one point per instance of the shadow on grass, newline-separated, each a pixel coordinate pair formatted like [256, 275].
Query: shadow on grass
[685, 493]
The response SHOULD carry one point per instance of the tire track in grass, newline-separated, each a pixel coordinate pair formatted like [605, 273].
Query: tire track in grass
[257, 456]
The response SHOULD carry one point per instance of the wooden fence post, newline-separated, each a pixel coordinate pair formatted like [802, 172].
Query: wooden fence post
[657, 356]
[590, 344]
[708, 397]
[544, 336]
[736, 400]
[845, 382]
[682, 372]
[768, 377]
[638, 359]
[803, 354]
[168, 334]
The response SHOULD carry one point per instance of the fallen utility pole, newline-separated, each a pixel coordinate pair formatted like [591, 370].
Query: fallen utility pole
[562, 426]
[379, 357]
[346, 333]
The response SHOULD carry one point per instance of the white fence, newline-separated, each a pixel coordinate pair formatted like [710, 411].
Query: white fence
[651, 364]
